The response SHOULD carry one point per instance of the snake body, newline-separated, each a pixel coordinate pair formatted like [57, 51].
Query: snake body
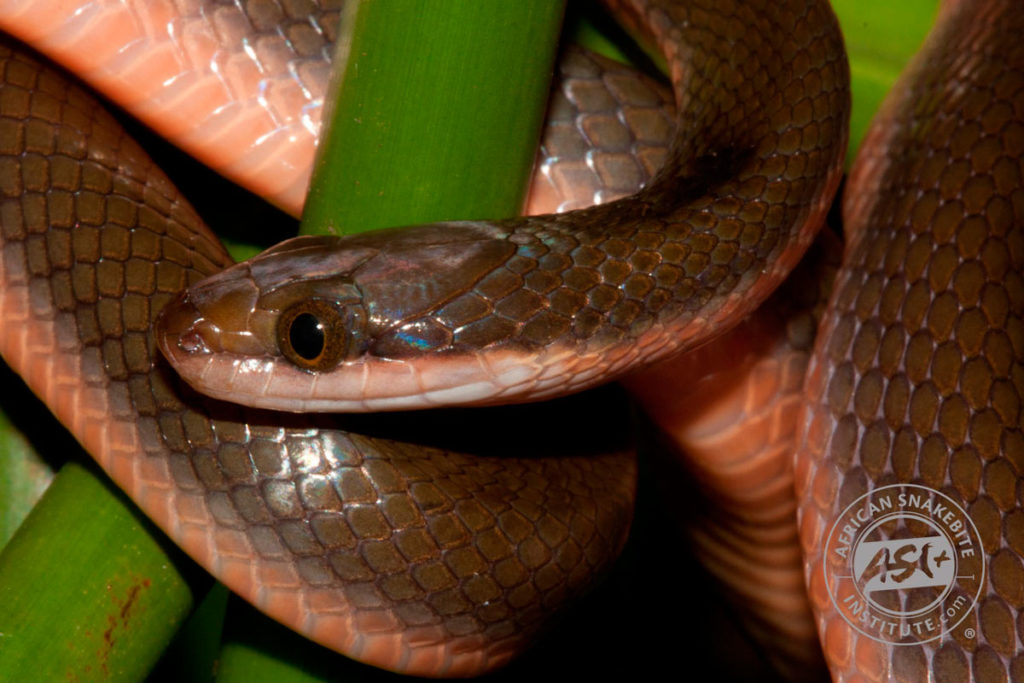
[238, 85]
[438, 562]
[411, 557]
[408, 557]
[918, 372]
[476, 313]
[726, 425]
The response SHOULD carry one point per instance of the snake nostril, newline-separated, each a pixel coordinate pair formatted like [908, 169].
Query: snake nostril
[192, 342]
[181, 330]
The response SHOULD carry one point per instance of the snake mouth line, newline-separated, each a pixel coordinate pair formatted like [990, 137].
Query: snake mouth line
[360, 386]
[486, 377]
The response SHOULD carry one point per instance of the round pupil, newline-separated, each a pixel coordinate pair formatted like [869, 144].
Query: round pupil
[307, 336]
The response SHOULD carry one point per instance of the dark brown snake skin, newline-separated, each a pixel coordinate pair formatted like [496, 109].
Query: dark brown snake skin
[435, 563]
[403, 555]
[726, 418]
[399, 554]
[551, 304]
[972, 404]
[919, 371]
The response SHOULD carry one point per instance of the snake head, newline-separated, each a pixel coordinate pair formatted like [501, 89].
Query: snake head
[341, 323]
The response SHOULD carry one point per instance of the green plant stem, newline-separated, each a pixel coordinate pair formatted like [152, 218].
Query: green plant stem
[436, 111]
[101, 604]
[194, 653]
[23, 478]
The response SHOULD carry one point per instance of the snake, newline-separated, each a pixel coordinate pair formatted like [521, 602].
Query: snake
[917, 375]
[275, 505]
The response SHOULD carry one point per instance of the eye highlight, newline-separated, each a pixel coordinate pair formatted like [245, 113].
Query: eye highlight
[316, 335]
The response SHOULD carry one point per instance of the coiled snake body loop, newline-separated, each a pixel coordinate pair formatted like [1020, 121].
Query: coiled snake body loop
[437, 562]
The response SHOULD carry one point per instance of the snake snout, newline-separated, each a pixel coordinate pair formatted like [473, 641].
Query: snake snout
[210, 334]
[188, 341]
[183, 330]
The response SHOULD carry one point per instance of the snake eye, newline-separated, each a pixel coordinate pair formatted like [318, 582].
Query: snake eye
[316, 335]
[306, 336]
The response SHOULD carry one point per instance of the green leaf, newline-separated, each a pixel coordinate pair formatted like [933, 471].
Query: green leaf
[881, 36]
